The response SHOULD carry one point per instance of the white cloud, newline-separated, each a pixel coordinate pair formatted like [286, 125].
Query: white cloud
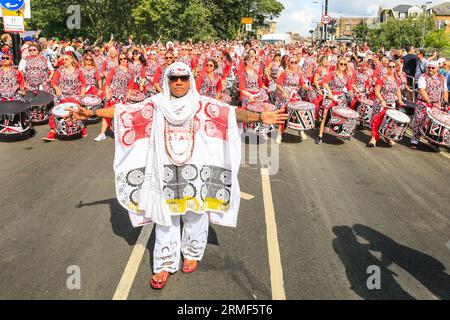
[298, 15]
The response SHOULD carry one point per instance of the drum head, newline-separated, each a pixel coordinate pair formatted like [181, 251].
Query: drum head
[346, 112]
[137, 96]
[440, 117]
[398, 116]
[91, 100]
[13, 107]
[301, 105]
[40, 98]
[59, 111]
[259, 106]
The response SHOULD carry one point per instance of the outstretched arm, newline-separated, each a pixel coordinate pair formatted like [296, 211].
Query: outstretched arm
[267, 117]
[83, 113]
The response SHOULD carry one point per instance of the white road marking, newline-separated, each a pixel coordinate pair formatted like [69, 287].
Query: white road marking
[448, 245]
[276, 269]
[126, 282]
[247, 196]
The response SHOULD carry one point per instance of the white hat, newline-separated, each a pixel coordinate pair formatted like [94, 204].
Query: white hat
[441, 60]
[69, 49]
[434, 63]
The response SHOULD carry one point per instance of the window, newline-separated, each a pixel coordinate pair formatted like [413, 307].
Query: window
[348, 27]
[402, 15]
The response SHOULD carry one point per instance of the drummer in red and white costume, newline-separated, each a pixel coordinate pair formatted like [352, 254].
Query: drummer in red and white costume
[336, 83]
[362, 78]
[69, 84]
[90, 71]
[12, 84]
[99, 59]
[37, 70]
[159, 74]
[288, 85]
[148, 73]
[209, 84]
[315, 95]
[250, 81]
[387, 93]
[432, 92]
[185, 58]
[118, 87]
[381, 70]
[137, 65]
[110, 62]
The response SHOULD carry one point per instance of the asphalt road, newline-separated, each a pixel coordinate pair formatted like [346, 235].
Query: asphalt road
[339, 209]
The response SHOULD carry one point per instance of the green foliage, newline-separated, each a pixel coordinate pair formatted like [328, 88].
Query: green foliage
[437, 39]
[152, 20]
[401, 33]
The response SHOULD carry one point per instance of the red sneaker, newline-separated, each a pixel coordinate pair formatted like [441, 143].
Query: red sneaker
[50, 136]
[84, 133]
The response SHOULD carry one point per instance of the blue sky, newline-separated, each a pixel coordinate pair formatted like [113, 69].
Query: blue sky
[298, 15]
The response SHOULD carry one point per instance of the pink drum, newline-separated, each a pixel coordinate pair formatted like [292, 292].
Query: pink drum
[342, 122]
[365, 111]
[261, 96]
[437, 127]
[301, 116]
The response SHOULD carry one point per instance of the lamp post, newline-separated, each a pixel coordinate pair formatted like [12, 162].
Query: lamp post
[322, 13]
[424, 21]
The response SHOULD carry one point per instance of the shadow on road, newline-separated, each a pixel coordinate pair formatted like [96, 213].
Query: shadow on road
[120, 221]
[357, 257]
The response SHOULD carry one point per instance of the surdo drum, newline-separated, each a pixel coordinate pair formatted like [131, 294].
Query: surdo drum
[437, 127]
[41, 103]
[137, 96]
[301, 116]
[66, 126]
[14, 119]
[258, 107]
[342, 122]
[92, 102]
[365, 111]
[394, 125]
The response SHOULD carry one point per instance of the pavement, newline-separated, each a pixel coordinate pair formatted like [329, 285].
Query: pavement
[333, 222]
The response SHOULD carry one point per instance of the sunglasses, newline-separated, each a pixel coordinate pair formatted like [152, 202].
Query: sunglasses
[182, 78]
[169, 58]
[6, 58]
[31, 50]
[294, 62]
[121, 59]
[432, 68]
[210, 65]
[343, 64]
[391, 67]
[88, 59]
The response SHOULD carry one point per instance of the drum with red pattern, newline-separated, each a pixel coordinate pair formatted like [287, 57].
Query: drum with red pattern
[342, 122]
[66, 126]
[41, 103]
[301, 116]
[14, 119]
[394, 125]
[437, 127]
[258, 107]
[137, 96]
[365, 111]
[92, 102]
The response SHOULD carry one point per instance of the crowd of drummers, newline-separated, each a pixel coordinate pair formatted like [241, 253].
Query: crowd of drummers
[333, 88]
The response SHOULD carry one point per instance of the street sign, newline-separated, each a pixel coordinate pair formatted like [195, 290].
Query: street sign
[12, 4]
[247, 20]
[13, 22]
[326, 19]
[26, 8]
[248, 27]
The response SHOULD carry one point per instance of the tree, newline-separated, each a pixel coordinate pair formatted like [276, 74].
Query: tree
[361, 32]
[437, 39]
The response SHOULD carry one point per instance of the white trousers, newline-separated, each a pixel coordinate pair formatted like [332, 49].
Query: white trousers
[170, 243]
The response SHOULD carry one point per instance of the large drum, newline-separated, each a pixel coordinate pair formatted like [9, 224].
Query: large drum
[342, 122]
[394, 125]
[437, 127]
[258, 107]
[92, 102]
[15, 119]
[301, 116]
[41, 103]
[365, 111]
[137, 96]
[66, 127]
